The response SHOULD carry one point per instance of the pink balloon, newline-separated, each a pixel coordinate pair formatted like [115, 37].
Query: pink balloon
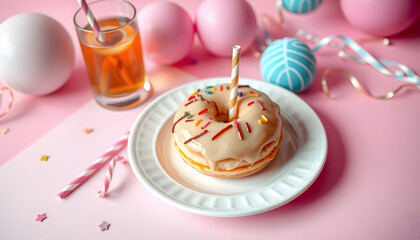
[166, 31]
[224, 23]
[381, 17]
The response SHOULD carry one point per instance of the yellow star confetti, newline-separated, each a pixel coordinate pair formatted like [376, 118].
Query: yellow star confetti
[88, 130]
[4, 131]
[44, 158]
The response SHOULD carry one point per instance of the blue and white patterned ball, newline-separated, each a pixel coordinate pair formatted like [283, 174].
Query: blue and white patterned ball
[289, 63]
[301, 6]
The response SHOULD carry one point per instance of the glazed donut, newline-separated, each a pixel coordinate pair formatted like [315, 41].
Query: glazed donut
[206, 141]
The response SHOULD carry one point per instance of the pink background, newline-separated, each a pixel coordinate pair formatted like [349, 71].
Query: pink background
[368, 188]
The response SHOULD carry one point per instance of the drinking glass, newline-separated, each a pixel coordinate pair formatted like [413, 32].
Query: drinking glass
[115, 64]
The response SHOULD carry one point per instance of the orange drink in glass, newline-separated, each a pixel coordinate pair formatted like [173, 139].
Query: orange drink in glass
[115, 65]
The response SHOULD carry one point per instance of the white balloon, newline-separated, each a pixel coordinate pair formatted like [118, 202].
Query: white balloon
[36, 54]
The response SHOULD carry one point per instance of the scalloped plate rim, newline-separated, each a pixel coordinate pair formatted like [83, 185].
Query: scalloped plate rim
[158, 192]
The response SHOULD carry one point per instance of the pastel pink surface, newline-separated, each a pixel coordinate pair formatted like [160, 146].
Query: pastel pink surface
[367, 189]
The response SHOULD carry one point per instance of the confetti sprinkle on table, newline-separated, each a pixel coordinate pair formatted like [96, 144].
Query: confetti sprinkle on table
[88, 130]
[40, 217]
[44, 158]
[4, 131]
[104, 226]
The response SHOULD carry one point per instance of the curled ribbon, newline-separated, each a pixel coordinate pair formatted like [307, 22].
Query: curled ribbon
[363, 56]
[359, 87]
[10, 100]
[403, 73]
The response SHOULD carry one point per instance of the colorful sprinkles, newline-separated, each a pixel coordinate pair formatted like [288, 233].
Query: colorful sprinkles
[195, 137]
[248, 128]
[195, 96]
[177, 121]
[188, 103]
[205, 125]
[202, 99]
[261, 106]
[238, 128]
[265, 120]
[203, 111]
[198, 122]
[215, 106]
[221, 132]
[194, 93]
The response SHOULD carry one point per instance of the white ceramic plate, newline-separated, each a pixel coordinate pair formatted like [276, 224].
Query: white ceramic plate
[157, 165]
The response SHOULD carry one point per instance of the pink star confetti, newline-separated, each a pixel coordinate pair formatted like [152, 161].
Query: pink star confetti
[40, 217]
[4, 131]
[104, 226]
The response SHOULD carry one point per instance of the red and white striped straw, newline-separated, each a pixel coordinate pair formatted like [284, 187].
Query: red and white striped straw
[109, 174]
[92, 20]
[236, 53]
[91, 170]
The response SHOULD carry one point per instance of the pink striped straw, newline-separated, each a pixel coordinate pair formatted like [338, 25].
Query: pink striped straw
[91, 170]
[109, 174]
[92, 20]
